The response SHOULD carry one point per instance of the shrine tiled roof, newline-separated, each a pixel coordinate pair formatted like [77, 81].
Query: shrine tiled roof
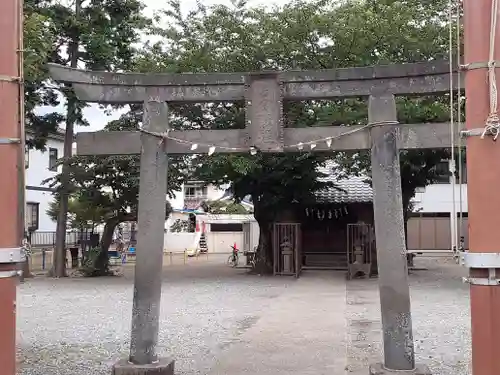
[352, 189]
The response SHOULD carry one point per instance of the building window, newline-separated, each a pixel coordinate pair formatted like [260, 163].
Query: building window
[229, 227]
[26, 157]
[442, 170]
[429, 214]
[464, 173]
[189, 191]
[444, 174]
[32, 216]
[52, 159]
[195, 191]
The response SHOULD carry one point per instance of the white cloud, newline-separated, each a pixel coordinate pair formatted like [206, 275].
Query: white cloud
[96, 116]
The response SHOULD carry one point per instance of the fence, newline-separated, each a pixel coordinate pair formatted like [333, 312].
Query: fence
[48, 239]
[217, 242]
[42, 260]
[433, 233]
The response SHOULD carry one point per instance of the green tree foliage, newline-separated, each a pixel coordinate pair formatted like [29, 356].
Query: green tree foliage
[39, 37]
[83, 213]
[91, 34]
[318, 34]
[94, 34]
[399, 32]
[180, 226]
[110, 186]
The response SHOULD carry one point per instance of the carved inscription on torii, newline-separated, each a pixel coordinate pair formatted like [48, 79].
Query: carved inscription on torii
[264, 93]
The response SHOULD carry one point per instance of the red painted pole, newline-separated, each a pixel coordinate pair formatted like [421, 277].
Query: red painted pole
[11, 167]
[483, 172]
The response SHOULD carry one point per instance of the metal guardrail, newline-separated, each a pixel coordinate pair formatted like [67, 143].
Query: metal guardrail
[48, 239]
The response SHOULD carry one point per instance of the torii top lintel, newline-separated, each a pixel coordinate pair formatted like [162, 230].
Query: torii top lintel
[264, 93]
[403, 79]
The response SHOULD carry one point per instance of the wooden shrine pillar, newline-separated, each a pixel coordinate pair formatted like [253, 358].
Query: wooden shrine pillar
[12, 167]
[483, 184]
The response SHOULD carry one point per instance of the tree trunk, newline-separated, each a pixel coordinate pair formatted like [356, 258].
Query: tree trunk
[102, 262]
[59, 265]
[265, 259]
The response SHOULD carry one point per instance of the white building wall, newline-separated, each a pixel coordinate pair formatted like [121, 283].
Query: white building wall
[217, 242]
[36, 173]
[444, 198]
[439, 198]
[213, 193]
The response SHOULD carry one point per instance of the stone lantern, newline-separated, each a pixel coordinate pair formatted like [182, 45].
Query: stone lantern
[287, 255]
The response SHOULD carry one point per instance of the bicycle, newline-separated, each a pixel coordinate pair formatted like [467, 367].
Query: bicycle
[233, 259]
[251, 257]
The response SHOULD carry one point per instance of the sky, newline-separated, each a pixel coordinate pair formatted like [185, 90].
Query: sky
[93, 114]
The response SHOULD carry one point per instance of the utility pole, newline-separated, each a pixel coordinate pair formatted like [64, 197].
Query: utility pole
[483, 173]
[12, 167]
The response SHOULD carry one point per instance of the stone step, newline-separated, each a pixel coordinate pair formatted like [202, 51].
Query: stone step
[326, 260]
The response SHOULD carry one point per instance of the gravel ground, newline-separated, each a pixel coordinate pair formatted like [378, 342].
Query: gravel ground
[82, 326]
[440, 312]
[441, 315]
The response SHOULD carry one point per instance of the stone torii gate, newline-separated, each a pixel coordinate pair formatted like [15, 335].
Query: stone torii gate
[264, 94]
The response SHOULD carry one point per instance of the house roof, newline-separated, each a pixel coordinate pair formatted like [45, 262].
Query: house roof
[352, 189]
[58, 135]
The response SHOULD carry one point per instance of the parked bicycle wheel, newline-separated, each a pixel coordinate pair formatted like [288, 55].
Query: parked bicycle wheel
[232, 261]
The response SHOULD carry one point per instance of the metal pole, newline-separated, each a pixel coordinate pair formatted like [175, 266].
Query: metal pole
[483, 159]
[10, 183]
[390, 237]
[149, 252]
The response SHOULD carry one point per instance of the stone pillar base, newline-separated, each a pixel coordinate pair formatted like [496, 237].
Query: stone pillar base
[164, 366]
[379, 369]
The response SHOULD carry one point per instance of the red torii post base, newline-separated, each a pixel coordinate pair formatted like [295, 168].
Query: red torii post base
[483, 173]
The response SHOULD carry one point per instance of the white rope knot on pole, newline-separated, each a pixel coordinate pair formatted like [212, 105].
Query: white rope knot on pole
[492, 126]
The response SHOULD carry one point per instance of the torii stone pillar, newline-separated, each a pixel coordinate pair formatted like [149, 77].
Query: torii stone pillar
[394, 289]
[149, 257]
[264, 94]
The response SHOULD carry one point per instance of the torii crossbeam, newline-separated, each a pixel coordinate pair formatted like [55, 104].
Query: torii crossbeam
[264, 94]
